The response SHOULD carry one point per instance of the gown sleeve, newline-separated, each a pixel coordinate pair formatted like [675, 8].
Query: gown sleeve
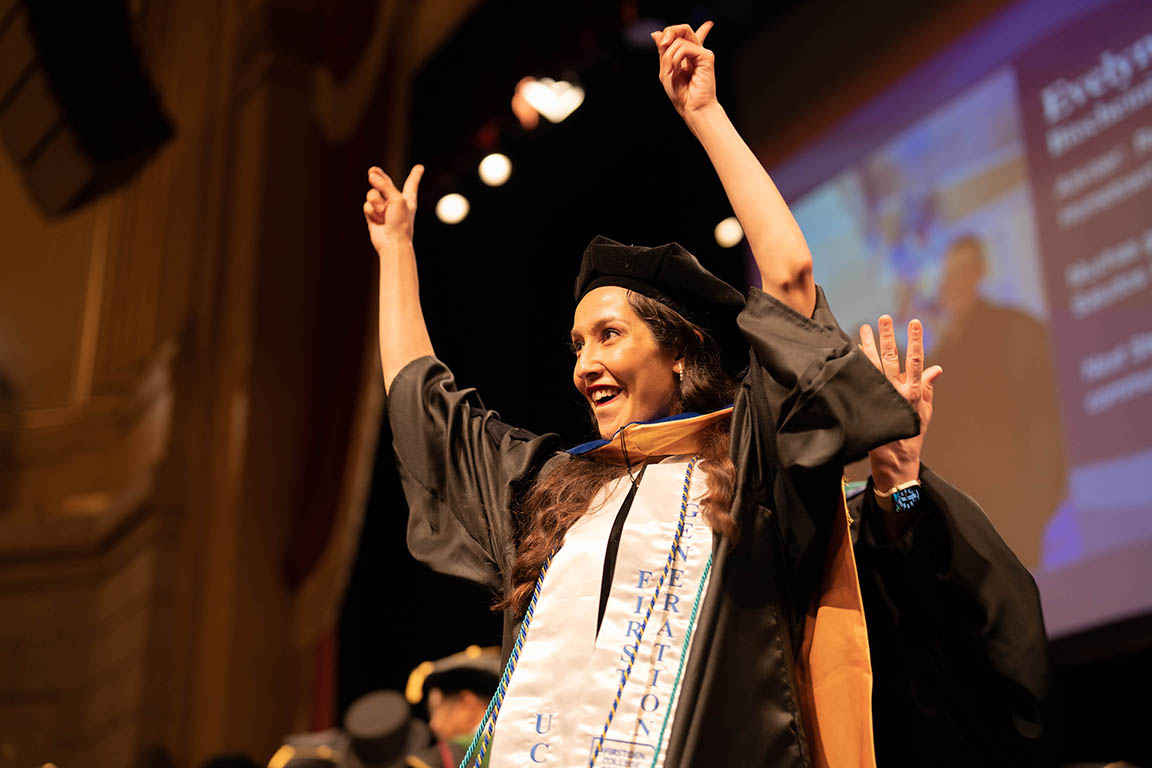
[814, 389]
[810, 402]
[462, 470]
[959, 652]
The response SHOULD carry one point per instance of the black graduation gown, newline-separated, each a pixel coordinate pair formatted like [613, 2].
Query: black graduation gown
[809, 403]
[959, 654]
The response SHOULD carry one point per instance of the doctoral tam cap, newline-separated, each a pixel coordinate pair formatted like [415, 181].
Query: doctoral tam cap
[670, 274]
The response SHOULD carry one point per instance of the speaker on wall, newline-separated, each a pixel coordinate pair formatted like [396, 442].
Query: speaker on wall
[78, 112]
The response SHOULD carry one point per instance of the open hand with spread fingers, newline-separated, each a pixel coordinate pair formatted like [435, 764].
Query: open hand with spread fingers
[899, 461]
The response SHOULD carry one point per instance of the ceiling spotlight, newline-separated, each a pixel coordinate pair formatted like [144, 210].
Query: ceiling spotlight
[495, 169]
[527, 115]
[451, 209]
[728, 232]
[554, 99]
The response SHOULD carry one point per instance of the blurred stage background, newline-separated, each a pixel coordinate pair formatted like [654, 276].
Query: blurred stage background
[201, 531]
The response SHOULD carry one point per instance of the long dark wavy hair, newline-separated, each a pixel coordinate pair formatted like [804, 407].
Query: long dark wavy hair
[560, 499]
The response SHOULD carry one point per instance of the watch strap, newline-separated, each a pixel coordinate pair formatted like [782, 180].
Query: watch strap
[904, 497]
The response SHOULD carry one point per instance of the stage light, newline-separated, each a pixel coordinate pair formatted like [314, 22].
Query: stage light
[554, 99]
[728, 232]
[451, 209]
[525, 113]
[495, 169]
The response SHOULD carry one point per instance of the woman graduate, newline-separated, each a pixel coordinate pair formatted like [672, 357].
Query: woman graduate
[683, 590]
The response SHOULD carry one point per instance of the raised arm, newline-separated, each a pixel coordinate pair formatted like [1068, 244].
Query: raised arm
[390, 214]
[687, 71]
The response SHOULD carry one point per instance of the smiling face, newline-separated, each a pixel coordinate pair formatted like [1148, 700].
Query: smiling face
[623, 373]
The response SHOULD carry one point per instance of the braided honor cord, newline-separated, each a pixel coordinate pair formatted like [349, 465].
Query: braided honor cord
[683, 658]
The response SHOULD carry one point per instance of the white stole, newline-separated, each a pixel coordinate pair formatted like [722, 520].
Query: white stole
[566, 679]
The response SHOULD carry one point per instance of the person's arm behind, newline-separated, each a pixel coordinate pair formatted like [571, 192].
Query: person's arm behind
[687, 71]
[390, 214]
[959, 654]
[956, 631]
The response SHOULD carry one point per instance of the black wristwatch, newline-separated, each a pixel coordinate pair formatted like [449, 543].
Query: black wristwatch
[904, 498]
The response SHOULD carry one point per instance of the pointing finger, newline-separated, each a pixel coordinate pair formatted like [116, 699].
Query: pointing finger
[412, 183]
[702, 33]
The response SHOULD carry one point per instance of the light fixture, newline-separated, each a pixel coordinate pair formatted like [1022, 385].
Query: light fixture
[452, 208]
[495, 169]
[728, 232]
[525, 113]
[554, 99]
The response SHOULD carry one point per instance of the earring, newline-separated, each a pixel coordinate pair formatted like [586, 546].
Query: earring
[680, 373]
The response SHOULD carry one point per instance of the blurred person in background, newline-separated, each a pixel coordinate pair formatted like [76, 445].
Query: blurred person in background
[999, 434]
[456, 692]
[379, 731]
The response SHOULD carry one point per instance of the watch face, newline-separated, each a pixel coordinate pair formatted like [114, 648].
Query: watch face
[906, 499]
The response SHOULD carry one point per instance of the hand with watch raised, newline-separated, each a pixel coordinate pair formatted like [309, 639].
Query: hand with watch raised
[896, 465]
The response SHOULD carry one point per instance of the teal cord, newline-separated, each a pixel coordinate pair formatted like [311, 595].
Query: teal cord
[683, 657]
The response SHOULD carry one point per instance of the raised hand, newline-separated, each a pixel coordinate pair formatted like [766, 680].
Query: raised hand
[899, 461]
[687, 68]
[391, 216]
[688, 74]
[390, 212]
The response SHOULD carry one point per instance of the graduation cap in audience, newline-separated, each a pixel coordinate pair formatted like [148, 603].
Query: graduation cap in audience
[379, 731]
[474, 669]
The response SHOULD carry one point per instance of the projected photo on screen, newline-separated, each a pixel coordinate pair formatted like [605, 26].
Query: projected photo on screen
[1002, 193]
